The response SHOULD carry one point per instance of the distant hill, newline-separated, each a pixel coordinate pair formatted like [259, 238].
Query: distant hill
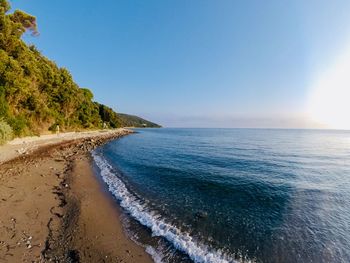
[135, 121]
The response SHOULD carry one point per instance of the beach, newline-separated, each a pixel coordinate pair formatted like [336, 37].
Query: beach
[53, 208]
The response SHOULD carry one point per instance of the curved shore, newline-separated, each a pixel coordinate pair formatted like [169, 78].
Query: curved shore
[54, 209]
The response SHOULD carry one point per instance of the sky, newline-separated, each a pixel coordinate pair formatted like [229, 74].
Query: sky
[199, 63]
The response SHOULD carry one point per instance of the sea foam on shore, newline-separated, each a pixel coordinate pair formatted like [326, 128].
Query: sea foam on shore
[132, 205]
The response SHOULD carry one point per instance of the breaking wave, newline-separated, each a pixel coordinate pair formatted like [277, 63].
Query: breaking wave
[159, 227]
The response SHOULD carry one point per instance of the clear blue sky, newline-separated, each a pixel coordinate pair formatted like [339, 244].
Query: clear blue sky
[195, 63]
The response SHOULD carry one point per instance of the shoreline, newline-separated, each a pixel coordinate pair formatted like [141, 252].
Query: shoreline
[28, 145]
[54, 208]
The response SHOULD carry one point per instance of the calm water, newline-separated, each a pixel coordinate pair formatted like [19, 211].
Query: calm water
[225, 195]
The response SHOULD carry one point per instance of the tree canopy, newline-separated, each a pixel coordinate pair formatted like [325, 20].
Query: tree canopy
[35, 94]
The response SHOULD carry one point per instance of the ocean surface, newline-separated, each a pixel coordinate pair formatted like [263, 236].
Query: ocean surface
[233, 195]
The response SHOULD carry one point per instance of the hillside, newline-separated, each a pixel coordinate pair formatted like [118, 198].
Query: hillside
[35, 94]
[135, 121]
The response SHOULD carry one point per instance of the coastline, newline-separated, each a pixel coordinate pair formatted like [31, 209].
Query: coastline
[28, 145]
[53, 207]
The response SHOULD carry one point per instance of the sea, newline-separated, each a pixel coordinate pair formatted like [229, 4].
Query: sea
[232, 195]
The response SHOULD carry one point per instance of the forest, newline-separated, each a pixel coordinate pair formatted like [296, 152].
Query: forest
[35, 94]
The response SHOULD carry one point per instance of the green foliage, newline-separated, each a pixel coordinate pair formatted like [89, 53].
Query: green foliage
[35, 94]
[5, 132]
[28, 22]
[4, 107]
[108, 116]
[5, 6]
[18, 124]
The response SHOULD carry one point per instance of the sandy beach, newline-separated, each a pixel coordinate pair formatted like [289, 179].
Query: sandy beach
[52, 206]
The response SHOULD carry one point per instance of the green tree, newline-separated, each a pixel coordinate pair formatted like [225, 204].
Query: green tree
[36, 94]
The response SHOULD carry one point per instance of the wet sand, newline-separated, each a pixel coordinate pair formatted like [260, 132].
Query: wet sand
[54, 209]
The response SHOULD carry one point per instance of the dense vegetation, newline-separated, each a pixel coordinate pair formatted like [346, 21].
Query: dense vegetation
[5, 132]
[134, 121]
[35, 94]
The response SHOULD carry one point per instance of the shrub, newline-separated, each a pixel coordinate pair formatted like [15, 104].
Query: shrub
[4, 107]
[18, 125]
[5, 132]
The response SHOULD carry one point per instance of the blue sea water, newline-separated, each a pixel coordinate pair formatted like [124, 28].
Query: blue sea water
[233, 195]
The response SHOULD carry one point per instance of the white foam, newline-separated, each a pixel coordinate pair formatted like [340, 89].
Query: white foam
[157, 257]
[182, 241]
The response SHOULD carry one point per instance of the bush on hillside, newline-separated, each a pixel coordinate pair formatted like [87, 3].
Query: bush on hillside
[5, 132]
